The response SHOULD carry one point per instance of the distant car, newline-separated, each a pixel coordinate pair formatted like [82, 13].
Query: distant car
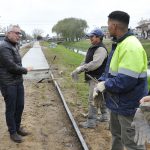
[2, 36]
[24, 41]
[20, 43]
[28, 41]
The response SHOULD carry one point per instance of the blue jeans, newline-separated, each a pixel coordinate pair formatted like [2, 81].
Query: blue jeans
[14, 100]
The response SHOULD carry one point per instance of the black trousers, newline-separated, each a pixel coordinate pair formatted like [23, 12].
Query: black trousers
[14, 100]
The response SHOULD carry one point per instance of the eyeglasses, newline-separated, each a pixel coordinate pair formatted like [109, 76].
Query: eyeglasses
[17, 33]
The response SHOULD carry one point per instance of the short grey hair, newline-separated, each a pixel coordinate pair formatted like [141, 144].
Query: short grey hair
[11, 27]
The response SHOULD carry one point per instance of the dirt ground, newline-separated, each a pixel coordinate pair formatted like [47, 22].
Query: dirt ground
[96, 139]
[45, 118]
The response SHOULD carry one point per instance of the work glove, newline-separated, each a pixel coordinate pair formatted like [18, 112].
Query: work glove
[145, 99]
[145, 108]
[100, 86]
[142, 128]
[75, 73]
[95, 92]
[80, 69]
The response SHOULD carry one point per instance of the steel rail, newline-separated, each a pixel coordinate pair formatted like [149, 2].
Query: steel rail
[81, 139]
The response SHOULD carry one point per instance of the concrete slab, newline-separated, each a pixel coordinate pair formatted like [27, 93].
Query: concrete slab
[35, 58]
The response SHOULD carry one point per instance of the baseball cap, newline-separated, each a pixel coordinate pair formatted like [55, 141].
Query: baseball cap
[96, 32]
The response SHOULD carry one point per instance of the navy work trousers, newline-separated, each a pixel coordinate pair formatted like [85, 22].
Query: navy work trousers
[14, 100]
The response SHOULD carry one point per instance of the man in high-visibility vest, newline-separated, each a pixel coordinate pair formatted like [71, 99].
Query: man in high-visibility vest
[124, 82]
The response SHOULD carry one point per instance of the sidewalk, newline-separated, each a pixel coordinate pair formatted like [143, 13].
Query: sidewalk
[35, 58]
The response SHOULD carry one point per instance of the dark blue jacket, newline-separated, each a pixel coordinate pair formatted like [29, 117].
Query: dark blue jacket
[123, 92]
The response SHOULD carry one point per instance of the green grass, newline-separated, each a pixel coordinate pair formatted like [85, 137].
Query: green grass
[148, 83]
[146, 45]
[82, 44]
[65, 57]
[67, 61]
[85, 44]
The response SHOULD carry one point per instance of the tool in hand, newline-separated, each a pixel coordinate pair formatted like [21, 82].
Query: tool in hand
[92, 78]
[96, 81]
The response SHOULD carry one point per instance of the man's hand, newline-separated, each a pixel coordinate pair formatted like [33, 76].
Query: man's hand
[75, 73]
[145, 99]
[80, 69]
[29, 68]
[101, 86]
[142, 128]
[145, 108]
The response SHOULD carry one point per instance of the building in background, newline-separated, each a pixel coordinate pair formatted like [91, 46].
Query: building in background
[143, 30]
[105, 30]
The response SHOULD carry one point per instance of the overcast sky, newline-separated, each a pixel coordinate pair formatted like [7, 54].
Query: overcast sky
[44, 14]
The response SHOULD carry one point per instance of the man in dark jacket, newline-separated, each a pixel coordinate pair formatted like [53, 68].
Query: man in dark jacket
[94, 66]
[11, 82]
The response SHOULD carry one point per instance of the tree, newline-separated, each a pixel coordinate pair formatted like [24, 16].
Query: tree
[29, 37]
[3, 29]
[37, 32]
[39, 37]
[70, 28]
[23, 34]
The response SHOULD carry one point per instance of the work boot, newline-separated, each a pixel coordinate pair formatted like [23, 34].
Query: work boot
[16, 138]
[90, 123]
[22, 132]
[103, 118]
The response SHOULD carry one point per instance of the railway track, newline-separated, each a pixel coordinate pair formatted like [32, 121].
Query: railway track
[71, 118]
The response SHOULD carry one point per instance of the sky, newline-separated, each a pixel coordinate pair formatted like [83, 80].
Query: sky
[44, 14]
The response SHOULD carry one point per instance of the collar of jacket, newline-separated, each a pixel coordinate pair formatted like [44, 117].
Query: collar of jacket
[97, 45]
[115, 40]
